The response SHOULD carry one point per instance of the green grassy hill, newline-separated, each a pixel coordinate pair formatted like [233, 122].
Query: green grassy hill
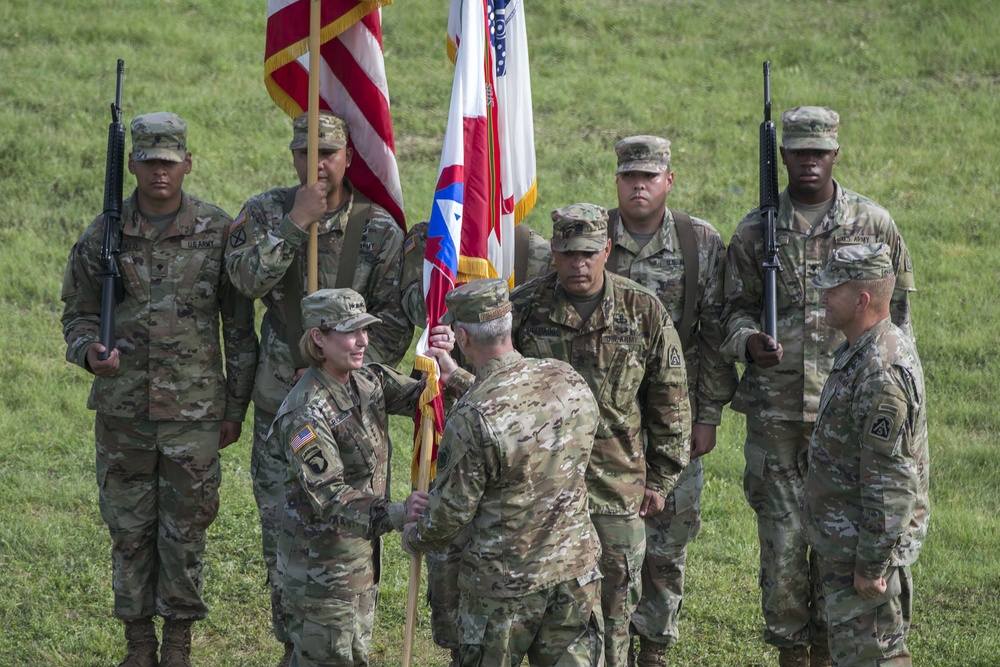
[915, 81]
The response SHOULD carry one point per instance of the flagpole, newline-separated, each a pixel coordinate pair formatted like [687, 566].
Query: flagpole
[312, 148]
[423, 483]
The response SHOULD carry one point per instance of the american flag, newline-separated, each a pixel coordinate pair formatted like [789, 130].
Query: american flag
[302, 438]
[352, 84]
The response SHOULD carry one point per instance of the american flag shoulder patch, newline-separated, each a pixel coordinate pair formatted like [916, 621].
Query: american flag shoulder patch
[409, 245]
[240, 219]
[302, 438]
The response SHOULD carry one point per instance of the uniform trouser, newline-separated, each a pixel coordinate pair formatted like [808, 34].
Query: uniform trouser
[866, 633]
[268, 469]
[776, 459]
[331, 632]
[559, 626]
[623, 545]
[443, 595]
[667, 536]
[158, 487]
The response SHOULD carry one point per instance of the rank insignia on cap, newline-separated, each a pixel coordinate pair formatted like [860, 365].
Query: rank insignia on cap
[302, 438]
[674, 357]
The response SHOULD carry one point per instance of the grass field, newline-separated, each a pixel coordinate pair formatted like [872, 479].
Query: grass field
[915, 81]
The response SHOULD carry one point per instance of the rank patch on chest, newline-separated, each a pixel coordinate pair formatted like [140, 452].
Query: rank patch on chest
[302, 438]
[674, 358]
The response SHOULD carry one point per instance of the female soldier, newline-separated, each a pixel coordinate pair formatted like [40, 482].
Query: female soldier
[333, 428]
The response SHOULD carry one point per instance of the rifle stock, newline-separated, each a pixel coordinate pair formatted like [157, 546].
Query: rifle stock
[112, 288]
[769, 210]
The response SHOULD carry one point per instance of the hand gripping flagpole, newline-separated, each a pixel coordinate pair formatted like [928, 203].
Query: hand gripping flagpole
[312, 147]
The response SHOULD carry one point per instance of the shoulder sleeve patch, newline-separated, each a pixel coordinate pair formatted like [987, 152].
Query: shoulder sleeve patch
[674, 358]
[302, 438]
[884, 424]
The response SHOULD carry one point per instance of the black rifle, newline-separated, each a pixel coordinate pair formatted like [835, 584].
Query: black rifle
[769, 211]
[112, 289]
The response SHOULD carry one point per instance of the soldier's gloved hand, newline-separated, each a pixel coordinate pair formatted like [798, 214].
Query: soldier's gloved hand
[652, 503]
[407, 529]
[106, 368]
[415, 505]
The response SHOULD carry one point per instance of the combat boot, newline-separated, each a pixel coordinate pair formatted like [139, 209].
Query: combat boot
[793, 656]
[176, 648]
[286, 659]
[652, 654]
[141, 638]
[819, 655]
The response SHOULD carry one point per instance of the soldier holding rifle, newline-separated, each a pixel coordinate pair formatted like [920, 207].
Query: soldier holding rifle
[164, 406]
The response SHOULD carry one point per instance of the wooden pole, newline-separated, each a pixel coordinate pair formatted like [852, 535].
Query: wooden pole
[312, 255]
[423, 483]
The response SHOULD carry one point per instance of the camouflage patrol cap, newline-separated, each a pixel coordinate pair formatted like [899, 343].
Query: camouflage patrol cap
[477, 301]
[869, 261]
[159, 136]
[332, 132]
[579, 227]
[810, 127]
[338, 309]
[643, 153]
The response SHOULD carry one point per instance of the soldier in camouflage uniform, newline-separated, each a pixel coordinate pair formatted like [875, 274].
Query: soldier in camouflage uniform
[618, 336]
[164, 406]
[333, 430]
[442, 568]
[779, 390]
[647, 246]
[512, 479]
[867, 506]
[266, 260]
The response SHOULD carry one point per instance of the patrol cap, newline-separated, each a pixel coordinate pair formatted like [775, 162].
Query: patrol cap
[643, 153]
[338, 309]
[477, 301]
[159, 136]
[869, 261]
[810, 127]
[579, 227]
[332, 131]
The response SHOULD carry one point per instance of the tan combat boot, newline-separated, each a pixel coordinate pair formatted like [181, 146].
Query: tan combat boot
[794, 656]
[652, 654]
[819, 655]
[141, 638]
[286, 659]
[176, 648]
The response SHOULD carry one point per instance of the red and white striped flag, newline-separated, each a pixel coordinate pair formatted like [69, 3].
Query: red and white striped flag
[486, 181]
[352, 84]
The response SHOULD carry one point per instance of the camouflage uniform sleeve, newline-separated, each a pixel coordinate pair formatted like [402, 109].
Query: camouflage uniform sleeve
[539, 257]
[899, 306]
[257, 256]
[666, 411]
[240, 343]
[402, 392]
[889, 475]
[460, 482]
[81, 295]
[414, 247]
[459, 383]
[391, 339]
[744, 295]
[331, 497]
[717, 378]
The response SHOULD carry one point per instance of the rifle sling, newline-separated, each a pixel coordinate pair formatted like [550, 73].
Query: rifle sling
[689, 255]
